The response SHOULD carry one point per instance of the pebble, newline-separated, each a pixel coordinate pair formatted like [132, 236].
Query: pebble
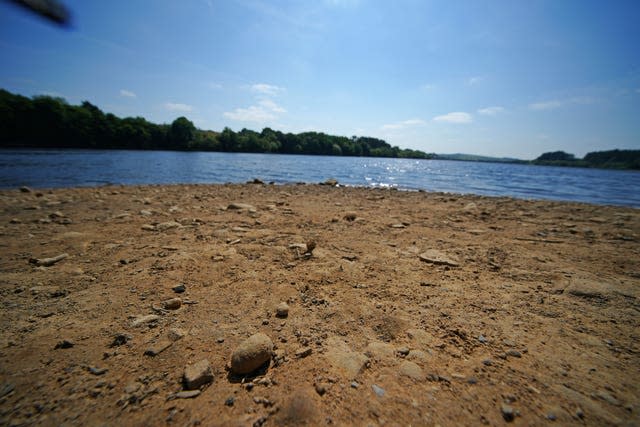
[439, 258]
[197, 375]
[241, 207]
[303, 352]
[172, 304]
[97, 371]
[354, 384]
[119, 340]
[252, 353]
[282, 310]
[514, 353]
[188, 394]
[176, 334]
[403, 351]
[163, 226]
[321, 388]
[157, 348]
[143, 320]
[379, 391]
[487, 362]
[507, 412]
[482, 339]
[178, 289]
[230, 401]
[25, 189]
[411, 370]
[64, 344]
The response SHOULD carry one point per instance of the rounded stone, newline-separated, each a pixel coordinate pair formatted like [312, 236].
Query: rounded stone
[251, 354]
[282, 310]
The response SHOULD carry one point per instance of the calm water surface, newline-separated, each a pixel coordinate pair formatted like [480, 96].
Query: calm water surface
[72, 168]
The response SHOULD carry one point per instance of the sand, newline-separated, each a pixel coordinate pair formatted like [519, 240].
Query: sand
[412, 308]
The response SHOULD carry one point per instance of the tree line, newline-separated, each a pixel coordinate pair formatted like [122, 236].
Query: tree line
[51, 122]
[611, 159]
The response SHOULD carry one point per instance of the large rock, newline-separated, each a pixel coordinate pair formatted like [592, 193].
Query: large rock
[252, 353]
[380, 351]
[411, 370]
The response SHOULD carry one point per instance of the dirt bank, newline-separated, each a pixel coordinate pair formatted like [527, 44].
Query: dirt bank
[413, 308]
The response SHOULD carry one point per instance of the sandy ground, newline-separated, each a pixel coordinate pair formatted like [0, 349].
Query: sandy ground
[412, 309]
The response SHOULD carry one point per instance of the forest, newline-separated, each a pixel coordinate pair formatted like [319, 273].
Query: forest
[611, 159]
[51, 122]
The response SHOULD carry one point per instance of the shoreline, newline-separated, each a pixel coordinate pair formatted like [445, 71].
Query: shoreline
[414, 307]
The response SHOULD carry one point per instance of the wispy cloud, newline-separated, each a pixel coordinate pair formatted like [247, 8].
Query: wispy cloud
[404, 124]
[427, 86]
[457, 117]
[558, 103]
[214, 86]
[127, 94]
[266, 89]
[491, 111]
[171, 106]
[474, 80]
[264, 111]
[546, 105]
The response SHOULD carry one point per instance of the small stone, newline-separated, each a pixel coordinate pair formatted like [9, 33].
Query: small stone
[487, 362]
[188, 394]
[172, 304]
[514, 353]
[551, 416]
[178, 289]
[303, 352]
[403, 351]
[411, 370]
[176, 334]
[354, 384]
[321, 388]
[97, 371]
[507, 412]
[482, 339]
[439, 258]
[241, 207]
[350, 216]
[144, 320]
[148, 227]
[25, 189]
[579, 413]
[119, 340]
[230, 401]
[252, 353]
[197, 375]
[164, 226]
[157, 348]
[331, 182]
[282, 310]
[64, 344]
[379, 391]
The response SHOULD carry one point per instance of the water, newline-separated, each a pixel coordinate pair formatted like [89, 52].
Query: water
[71, 168]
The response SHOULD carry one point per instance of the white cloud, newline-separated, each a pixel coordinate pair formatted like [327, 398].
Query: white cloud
[265, 110]
[266, 89]
[428, 86]
[127, 93]
[491, 111]
[474, 80]
[546, 105]
[557, 103]
[214, 86]
[455, 117]
[177, 107]
[403, 124]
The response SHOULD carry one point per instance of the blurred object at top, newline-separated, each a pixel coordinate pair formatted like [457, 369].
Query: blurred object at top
[52, 10]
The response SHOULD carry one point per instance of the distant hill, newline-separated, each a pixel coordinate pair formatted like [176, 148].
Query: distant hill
[476, 158]
[611, 159]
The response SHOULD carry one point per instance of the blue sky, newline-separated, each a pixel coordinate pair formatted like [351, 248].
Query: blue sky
[500, 78]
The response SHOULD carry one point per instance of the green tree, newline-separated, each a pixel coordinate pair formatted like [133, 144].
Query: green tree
[181, 133]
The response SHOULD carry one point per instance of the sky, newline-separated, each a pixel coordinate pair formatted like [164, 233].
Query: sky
[497, 78]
